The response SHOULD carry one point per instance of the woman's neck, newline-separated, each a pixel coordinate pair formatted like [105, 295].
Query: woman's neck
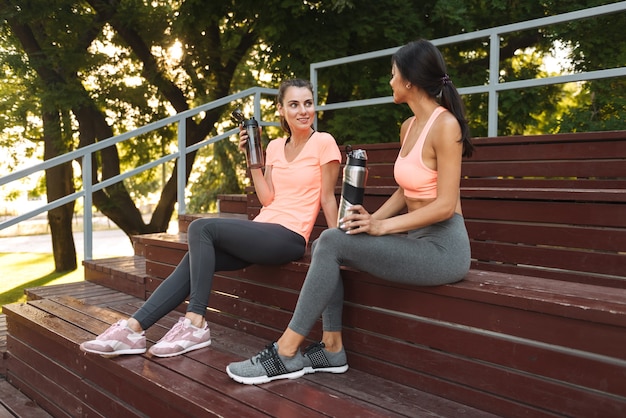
[422, 109]
[301, 137]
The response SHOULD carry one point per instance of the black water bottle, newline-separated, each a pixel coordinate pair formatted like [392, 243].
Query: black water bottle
[254, 156]
[354, 178]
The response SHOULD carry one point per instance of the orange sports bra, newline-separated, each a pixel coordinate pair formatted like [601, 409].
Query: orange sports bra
[410, 172]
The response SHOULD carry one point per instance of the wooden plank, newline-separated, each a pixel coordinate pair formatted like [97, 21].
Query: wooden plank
[493, 347]
[481, 384]
[55, 385]
[414, 335]
[499, 340]
[308, 398]
[531, 148]
[604, 339]
[14, 403]
[584, 302]
[543, 194]
[587, 214]
[565, 277]
[570, 236]
[203, 373]
[164, 254]
[578, 260]
[584, 167]
[499, 183]
[380, 392]
[598, 136]
[151, 397]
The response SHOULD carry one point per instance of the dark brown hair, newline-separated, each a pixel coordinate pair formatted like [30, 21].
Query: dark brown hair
[421, 63]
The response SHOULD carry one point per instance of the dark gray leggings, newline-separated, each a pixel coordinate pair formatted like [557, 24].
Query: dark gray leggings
[434, 255]
[218, 244]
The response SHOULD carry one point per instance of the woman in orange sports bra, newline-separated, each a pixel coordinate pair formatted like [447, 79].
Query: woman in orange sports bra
[428, 245]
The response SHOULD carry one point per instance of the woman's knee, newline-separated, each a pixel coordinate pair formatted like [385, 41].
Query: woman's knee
[329, 238]
[200, 226]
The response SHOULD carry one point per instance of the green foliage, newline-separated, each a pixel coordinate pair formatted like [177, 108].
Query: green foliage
[118, 57]
[218, 175]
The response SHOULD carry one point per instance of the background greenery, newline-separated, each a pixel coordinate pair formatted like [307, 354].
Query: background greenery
[78, 71]
[24, 270]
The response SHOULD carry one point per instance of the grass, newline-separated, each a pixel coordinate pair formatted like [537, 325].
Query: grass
[23, 270]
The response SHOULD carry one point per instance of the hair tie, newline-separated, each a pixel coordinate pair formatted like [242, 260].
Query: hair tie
[445, 80]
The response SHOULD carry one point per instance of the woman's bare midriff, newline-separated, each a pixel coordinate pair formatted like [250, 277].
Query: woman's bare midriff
[414, 204]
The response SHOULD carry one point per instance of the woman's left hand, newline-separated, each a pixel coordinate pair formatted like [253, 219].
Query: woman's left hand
[360, 221]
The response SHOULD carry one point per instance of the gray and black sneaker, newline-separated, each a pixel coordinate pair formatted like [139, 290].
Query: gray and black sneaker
[266, 366]
[318, 359]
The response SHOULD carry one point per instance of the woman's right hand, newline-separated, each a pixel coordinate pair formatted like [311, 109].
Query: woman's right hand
[243, 140]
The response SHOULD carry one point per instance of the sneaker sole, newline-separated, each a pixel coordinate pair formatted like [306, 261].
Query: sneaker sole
[114, 353]
[337, 369]
[263, 379]
[178, 353]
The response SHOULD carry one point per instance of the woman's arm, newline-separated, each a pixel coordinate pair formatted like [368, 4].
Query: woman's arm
[330, 173]
[448, 155]
[392, 206]
[263, 185]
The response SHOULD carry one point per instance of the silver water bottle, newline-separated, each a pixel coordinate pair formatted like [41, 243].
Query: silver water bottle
[354, 178]
[254, 156]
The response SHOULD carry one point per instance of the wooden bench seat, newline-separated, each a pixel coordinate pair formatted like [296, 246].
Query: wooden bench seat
[68, 382]
[534, 336]
[538, 326]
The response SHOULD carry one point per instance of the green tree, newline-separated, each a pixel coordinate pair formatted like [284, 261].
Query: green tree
[95, 68]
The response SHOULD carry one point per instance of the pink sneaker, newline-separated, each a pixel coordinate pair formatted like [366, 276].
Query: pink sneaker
[182, 338]
[117, 339]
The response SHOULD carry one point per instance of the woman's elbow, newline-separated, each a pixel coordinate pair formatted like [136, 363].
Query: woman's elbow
[265, 200]
[447, 211]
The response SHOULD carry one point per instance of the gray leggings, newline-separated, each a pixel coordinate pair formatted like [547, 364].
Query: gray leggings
[218, 244]
[435, 255]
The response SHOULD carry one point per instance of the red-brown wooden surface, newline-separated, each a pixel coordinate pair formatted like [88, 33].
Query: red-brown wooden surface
[536, 329]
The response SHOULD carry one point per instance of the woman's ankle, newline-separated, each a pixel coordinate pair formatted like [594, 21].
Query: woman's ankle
[289, 343]
[134, 325]
[332, 341]
[197, 320]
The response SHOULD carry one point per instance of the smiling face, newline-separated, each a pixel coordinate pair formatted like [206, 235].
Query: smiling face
[297, 108]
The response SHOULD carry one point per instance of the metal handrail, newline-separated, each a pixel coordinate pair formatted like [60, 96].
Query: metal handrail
[85, 154]
[493, 87]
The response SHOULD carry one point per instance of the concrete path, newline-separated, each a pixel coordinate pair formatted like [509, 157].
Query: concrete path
[107, 243]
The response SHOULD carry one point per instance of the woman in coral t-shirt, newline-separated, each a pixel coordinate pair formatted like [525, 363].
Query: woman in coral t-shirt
[300, 175]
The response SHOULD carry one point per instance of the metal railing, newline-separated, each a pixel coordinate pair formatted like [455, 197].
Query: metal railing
[494, 86]
[84, 155]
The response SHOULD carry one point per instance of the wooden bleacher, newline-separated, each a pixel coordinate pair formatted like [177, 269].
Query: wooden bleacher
[537, 328]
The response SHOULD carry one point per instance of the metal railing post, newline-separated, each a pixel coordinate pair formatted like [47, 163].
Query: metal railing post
[87, 205]
[182, 165]
[494, 80]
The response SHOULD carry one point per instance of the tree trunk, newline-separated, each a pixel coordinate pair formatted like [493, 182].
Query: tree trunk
[59, 183]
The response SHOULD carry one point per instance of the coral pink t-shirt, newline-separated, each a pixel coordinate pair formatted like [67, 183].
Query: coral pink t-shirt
[298, 184]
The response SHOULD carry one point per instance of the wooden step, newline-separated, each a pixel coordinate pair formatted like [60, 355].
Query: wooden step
[126, 274]
[486, 339]
[232, 203]
[43, 343]
[14, 404]
[3, 344]
[185, 219]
